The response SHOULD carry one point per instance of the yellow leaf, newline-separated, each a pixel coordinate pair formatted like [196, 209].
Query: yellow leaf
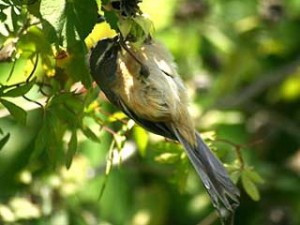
[167, 157]
[100, 31]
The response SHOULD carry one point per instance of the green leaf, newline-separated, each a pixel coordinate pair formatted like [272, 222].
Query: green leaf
[41, 141]
[235, 176]
[72, 147]
[250, 187]
[48, 138]
[125, 27]
[21, 90]
[15, 15]
[62, 98]
[3, 16]
[112, 19]
[145, 24]
[67, 107]
[73, 21]
[50, 32]
[254, 176]
[53, 11]
[4, 140]
[141, 138]
[77, 67]
[85, 16]
[90, 134]
[17, 112]
[34, 8]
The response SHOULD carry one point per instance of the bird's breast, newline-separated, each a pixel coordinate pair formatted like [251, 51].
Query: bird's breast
[141, 94]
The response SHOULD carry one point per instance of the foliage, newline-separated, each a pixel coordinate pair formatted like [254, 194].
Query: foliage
[61, 141]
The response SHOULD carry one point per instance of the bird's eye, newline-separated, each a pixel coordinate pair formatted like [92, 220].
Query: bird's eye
[116, 5]
[144, 71]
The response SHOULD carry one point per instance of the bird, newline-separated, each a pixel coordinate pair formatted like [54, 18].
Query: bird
[143, 82]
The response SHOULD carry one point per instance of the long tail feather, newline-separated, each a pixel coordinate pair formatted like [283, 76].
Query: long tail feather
[223, 192]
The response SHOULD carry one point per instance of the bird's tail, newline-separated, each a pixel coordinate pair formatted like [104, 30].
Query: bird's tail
[224, 194]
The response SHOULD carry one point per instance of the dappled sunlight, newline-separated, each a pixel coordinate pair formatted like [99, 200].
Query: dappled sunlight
[68, 156]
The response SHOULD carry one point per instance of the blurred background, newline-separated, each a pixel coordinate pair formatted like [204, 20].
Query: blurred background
[241, 64]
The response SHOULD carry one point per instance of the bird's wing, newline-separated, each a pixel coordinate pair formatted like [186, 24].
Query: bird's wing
[159, 128]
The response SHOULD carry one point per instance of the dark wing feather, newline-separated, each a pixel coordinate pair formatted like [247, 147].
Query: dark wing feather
[224, 194]
[159, 128]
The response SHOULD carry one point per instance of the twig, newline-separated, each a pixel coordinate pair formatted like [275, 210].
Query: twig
[109, 130]
[33, 101]
[33, 69]
[238, 149]
[11, 70]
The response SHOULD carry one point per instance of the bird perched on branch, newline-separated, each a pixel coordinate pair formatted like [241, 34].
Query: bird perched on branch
[144, 84]
[142, 81]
